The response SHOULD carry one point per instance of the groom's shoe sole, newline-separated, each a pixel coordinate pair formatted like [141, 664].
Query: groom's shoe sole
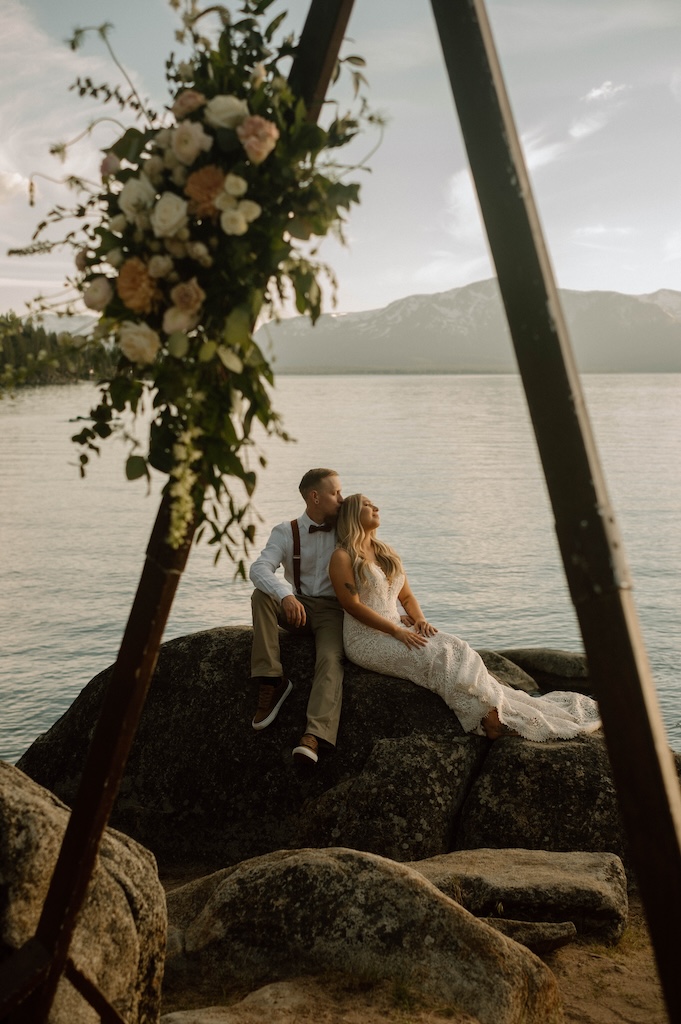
[279, 695]
[306, 754]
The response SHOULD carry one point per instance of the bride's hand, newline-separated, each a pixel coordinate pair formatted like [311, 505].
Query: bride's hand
[410, 639]
[424, 628]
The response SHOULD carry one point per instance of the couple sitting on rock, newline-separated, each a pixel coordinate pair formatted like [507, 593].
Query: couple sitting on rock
[349, 590]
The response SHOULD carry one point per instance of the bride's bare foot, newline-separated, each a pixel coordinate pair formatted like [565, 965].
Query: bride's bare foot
[494, 727]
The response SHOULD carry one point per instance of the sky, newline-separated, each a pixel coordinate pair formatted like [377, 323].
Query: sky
[594, 85]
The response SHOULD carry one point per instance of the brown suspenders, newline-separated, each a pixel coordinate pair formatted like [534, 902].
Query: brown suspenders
[296, 555]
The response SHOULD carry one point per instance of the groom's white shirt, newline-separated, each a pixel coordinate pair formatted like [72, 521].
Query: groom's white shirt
[315, 554]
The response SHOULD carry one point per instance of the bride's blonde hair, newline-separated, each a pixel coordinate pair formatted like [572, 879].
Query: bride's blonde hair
[350, 534]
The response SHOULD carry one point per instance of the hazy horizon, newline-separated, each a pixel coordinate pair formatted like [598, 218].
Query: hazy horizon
[595, 89]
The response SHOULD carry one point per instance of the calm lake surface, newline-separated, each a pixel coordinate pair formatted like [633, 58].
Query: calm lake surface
[451, 462]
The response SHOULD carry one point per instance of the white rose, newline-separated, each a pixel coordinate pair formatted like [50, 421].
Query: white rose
[224, 202]
[159, 266]
[189, 139]
[137, 194]
[225, 111]
[169, 215]
[163, 137]
[233, 223]
[153, 168]
[138, 342]
[199, 252]
[250, 210]
[98, 294]
[141, 222]
[235, 185]
[176, 248]
[178, 175]
[175, 319]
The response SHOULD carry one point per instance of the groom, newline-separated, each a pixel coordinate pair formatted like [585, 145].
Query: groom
[302, 601]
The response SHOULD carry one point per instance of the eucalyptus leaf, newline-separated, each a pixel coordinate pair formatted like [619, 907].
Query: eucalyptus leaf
[238, 327]
[136, 467]
[130, 145]
[230, 359]
[207, 351]
[178, 344]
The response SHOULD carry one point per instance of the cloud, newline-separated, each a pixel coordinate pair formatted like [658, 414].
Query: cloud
[675, 84]
[465, 224]
[586, 126]
[538, 152]
[604, 237]
[672, 247]
[449, 270]
[468, 258]
[36, 107]
[603, 96]
[12, 184]
[571, 25]
[604, 92]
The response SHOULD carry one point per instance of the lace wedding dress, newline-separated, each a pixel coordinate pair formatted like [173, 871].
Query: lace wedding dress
[452, 669]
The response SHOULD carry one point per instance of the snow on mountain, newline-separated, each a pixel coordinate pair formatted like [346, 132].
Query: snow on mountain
[465, 331]
[667, 300]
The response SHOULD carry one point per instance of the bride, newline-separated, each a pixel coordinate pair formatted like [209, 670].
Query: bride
[369, 581]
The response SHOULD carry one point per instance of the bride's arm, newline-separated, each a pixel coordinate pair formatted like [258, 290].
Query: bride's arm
[343, 580]
[413, 610]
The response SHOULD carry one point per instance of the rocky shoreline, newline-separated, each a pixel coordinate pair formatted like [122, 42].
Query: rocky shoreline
[412, 857]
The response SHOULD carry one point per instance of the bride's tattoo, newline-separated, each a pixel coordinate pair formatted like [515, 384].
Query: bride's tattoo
[351, 587]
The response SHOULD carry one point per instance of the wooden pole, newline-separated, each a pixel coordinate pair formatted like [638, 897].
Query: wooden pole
[106, 759]
[590, 543]
[28, 999]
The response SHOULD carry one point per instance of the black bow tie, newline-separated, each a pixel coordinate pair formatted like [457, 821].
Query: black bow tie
[325, 528]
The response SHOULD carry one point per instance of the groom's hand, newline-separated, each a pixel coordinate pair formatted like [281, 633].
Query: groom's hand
[294, 611]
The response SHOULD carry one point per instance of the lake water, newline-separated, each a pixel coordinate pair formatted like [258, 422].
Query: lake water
[452, 463]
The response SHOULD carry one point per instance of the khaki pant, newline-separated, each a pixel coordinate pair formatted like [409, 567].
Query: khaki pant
[325, 623]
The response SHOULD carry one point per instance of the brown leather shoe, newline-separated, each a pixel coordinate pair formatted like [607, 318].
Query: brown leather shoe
[306, 751]
[270, 698]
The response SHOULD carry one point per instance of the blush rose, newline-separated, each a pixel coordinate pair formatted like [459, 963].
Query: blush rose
[258, 136]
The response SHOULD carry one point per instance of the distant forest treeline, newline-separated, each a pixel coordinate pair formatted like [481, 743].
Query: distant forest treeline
[30, 355]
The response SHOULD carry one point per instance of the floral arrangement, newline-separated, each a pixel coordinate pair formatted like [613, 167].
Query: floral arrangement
[203, 221]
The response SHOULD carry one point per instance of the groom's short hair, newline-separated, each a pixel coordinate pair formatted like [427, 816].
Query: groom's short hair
[313, 478]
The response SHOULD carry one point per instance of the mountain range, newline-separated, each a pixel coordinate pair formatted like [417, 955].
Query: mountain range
[464, 330]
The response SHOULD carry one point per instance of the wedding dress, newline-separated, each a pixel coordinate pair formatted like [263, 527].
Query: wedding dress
[449, 667]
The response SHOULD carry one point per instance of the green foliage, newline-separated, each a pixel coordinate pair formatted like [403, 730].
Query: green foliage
[203, 223]
[31, 355]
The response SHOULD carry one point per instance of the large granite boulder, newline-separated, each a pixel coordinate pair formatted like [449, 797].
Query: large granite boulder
[588, 889]
[119, 942]
[203, 788]
[317, 911]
